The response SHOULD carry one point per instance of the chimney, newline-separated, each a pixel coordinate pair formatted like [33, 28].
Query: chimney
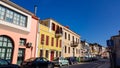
[35, 9]
[67, 27]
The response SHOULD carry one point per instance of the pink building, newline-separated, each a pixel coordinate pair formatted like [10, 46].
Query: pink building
[18, 32]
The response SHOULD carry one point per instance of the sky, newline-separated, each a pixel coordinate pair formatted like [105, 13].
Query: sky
[94, 20]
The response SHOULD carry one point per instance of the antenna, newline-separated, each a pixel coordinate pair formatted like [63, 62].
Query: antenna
[35, 9]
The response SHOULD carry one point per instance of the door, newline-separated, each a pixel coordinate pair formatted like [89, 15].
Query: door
[21, 54]
[52, 55]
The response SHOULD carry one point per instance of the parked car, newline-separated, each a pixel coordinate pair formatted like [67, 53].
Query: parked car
[39, 62]
[6, 64]
[84, 59]
[88, 59]
[60, 61]
[72, 60]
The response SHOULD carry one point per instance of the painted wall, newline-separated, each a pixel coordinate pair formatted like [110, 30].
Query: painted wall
[67, 43]
[16, 32]
[46, 30]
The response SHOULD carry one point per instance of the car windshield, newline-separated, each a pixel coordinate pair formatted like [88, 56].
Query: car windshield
[3, 62]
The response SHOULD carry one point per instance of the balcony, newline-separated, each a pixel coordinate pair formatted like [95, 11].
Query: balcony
[58, 33]
[74, 44]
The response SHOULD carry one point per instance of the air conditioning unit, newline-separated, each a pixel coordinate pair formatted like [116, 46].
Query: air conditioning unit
[29, 44]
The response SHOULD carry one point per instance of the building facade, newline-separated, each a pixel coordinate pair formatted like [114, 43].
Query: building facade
[114, 50]
[18, 29]
[50, 40]
[85, 49]
[70, 43]
[96, 50]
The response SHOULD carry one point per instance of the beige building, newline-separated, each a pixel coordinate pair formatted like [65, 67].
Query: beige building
[70, 43]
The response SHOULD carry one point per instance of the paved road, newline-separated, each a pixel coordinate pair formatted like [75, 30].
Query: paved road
[94, 64]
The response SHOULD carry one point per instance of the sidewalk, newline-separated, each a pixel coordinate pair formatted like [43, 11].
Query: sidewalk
[106, 65]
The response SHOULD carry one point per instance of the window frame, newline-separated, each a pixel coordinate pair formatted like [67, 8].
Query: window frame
[21, 41]
[47, 40]
[21, 15]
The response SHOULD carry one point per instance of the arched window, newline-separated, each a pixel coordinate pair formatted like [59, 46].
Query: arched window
[6, 48]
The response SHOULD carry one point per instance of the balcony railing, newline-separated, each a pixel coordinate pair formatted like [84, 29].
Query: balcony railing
[58, 33]
[74, 44]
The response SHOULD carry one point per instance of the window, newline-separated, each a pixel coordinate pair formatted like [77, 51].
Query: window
[12, 16]
[47, 40]
[76, 51]
[65, 35]
[9, 16]
[2, 12]
[57, 28]
[42, 38]
[52, 41]
[23, 21]
[56, 53]
[53, 26]
[16, 18]
[73, 38]
[65, 49]
[61, 30]
[68, 36]
[47, 54]
[60, 43]
[41, 53]
[56, 42]
[76, 40]
[69, 50]
[22, 41]
[59, 54]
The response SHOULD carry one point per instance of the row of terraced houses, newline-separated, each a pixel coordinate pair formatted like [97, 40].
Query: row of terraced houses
[23, 35]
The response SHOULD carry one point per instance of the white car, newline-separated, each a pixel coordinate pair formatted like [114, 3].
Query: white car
[60, 61]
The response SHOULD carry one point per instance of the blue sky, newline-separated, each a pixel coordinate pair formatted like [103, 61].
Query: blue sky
[95, 20]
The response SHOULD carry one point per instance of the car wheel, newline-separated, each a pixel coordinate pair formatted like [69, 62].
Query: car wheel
[68, 64]
[50, 66]
[60, 65]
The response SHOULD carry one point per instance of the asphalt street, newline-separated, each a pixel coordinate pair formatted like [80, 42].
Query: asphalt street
[94, 64]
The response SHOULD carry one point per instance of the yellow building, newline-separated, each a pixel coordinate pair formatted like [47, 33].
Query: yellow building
[50, 41]
[71, 43]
